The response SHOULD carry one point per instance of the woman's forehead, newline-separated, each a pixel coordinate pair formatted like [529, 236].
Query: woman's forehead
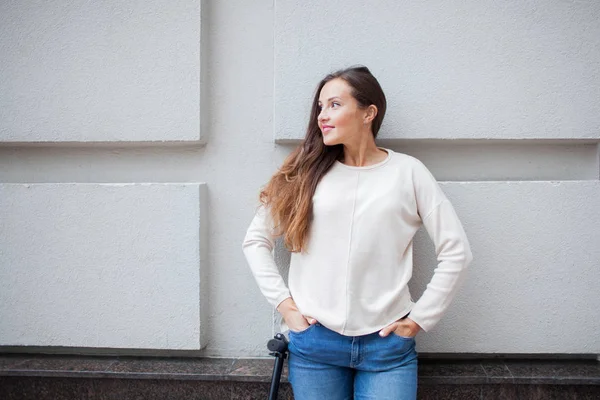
[335, 88]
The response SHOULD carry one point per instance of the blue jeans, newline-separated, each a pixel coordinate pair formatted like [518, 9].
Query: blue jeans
[326, 365]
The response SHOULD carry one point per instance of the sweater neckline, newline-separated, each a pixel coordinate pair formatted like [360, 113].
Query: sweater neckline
[380, 163]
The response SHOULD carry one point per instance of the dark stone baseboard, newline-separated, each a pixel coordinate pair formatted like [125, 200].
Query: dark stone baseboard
[27, 376]
[40, 388]
[46, 388]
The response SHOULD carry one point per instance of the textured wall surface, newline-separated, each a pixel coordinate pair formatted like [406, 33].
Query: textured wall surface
[101, 265]
[534, 281]
[80, 71]
[474, 69]
[500, 101]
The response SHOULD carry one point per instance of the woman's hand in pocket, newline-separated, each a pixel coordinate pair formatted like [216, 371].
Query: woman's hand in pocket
[404, 327]
[293, 317]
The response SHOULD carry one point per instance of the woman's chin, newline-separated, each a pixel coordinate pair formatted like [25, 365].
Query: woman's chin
[329, 141]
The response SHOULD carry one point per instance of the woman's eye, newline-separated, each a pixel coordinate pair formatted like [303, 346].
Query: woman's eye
[335, 104]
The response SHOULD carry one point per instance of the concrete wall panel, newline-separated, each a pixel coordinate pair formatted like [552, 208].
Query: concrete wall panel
[533, 281]
[102, 265]
[474, 69]
[533, 284]
[110, 71]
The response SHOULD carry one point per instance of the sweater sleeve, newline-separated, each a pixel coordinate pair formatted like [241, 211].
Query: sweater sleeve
[258, 248]
[451, 247]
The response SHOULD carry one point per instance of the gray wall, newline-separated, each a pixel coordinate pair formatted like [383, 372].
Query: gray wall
[204, 101]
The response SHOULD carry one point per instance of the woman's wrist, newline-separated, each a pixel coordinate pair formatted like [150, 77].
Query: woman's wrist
[286, 306]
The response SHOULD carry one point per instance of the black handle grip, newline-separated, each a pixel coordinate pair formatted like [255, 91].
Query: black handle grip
[278, 348]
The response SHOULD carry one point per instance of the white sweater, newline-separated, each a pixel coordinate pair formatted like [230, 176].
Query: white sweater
[353, 278]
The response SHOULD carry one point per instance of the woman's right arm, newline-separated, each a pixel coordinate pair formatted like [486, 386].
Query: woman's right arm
[258, 248]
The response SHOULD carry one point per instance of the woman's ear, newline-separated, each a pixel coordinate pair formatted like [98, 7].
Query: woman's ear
[370, 114]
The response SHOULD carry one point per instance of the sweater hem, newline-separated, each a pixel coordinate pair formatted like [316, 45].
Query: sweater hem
[368, 331]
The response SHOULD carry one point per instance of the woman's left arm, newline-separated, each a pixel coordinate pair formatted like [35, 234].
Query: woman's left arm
[451, 246]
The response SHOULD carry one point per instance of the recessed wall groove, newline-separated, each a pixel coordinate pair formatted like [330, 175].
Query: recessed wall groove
[502, 160]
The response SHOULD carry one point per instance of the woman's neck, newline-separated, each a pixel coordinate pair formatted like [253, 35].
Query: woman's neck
[363, 155]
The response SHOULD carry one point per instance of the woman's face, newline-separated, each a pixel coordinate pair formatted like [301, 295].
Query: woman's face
[340, 118]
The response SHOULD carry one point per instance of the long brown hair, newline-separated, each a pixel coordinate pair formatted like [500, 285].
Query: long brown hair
[289, 193]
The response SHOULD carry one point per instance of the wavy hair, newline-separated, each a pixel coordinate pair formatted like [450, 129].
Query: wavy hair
[288, 194]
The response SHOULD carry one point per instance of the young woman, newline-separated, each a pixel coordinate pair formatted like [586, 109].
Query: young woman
[347, 211]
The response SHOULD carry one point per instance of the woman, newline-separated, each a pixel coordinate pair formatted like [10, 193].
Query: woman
[348, 211]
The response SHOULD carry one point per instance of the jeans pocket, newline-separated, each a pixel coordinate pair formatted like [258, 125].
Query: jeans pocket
[403, 337]
[302, 331]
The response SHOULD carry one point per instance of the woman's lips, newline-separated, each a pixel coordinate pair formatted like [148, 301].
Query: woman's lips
[327, 128]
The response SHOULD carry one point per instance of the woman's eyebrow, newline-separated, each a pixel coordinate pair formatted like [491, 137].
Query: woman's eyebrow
[331, 98]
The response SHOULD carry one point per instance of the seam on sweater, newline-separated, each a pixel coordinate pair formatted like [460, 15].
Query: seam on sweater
[435, 208]
[350, 249]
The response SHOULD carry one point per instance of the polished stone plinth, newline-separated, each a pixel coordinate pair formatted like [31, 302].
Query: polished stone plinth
[56, 377]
